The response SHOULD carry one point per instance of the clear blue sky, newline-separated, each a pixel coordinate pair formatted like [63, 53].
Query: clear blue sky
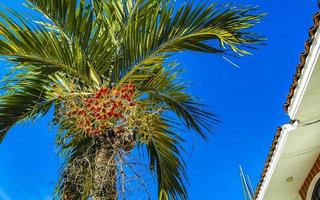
[249, 100]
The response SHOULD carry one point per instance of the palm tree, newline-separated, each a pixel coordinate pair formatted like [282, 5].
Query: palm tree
[103, 67]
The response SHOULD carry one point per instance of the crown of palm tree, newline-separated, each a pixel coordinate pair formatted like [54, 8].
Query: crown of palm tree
[77, 47]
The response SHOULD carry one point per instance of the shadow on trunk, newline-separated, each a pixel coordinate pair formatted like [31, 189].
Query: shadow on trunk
[98, 171]
[105, 172]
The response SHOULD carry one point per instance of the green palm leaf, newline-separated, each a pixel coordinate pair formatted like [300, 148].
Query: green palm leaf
[25, 98]
[190, 28]
[164, 152]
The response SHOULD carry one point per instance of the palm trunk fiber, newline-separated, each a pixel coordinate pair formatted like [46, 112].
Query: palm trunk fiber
[104, 173]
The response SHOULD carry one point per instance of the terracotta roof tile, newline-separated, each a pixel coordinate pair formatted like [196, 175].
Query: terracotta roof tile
[303, 57]
[267, 163]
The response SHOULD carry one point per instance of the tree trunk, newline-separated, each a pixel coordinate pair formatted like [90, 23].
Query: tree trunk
[104, 173]
[70, 192]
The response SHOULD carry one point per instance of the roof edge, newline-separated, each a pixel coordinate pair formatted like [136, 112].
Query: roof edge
[272, 159]
[303, 58]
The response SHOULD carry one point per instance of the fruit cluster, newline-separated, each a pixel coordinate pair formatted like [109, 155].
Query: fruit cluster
[105, 109]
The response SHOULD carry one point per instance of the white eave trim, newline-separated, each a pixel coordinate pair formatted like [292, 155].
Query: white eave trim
[306, 73]
[275, 158]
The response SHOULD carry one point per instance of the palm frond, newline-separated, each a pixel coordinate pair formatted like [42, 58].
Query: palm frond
[30, 44]
[82, 24]
[165, 88]
[25, 98]
[212, 29]
[165, 160]
[72, 18]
